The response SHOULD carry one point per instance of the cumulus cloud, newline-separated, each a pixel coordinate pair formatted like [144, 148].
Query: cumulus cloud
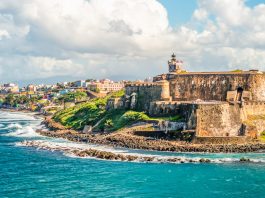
[231, 36]
[112, 30]
[133, 39]
[200, 14]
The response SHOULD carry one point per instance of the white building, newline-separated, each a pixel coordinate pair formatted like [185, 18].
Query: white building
[105, 86]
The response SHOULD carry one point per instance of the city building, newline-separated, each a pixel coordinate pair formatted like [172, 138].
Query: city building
[79, 83]
[31, 88]
[9, 88]
[105, 86]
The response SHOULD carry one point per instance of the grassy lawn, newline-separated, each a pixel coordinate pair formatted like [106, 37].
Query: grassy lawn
[117, 119]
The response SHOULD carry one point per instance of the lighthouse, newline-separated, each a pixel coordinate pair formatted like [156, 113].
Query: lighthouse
[174, 65]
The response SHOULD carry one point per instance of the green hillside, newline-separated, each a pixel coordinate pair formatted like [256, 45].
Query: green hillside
[93, 111]
[88, 113]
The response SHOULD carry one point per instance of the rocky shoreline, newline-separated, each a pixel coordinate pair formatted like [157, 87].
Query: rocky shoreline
[109, 155]
[106, 155]
[126, 139]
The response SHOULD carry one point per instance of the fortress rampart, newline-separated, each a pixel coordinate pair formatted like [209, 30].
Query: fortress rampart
[213, 104]
[146, 93]
[214, 86]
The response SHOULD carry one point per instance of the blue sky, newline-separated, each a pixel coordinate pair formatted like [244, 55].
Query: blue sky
[180, 11]
[252, 3]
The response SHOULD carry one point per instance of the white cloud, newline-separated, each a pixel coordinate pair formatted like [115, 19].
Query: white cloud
[46, 67]
[63, 30]
[200, 14]
[231, 35]
[125, 38]
[4, 34]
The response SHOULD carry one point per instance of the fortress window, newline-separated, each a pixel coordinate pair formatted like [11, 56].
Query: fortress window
[239, 93]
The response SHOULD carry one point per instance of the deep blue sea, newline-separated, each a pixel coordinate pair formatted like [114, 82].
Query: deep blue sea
[31, 172]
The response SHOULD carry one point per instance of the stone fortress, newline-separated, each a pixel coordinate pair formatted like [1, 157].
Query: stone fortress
[212, 104]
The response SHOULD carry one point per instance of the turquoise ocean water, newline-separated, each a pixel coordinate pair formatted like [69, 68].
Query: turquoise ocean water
[31, 172]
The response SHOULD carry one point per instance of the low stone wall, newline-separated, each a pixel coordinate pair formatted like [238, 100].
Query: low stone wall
[154, 134]
[137, 142]
[254, 107]
[221, 140]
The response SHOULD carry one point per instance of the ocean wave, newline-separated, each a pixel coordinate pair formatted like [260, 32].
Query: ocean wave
[13, 116]
[14, 126]
[19, 124]
[103, 153]
[23, 131]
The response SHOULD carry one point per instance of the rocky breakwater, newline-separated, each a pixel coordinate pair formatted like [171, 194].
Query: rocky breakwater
[106, 155]
[82, 152]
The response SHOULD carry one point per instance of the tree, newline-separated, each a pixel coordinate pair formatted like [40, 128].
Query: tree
[21, 99]
[73, 96]
[90, 80]
[33, 99]
[10, 100]
[80, 95]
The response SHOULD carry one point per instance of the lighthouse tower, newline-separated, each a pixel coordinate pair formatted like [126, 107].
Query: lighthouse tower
[174, 65]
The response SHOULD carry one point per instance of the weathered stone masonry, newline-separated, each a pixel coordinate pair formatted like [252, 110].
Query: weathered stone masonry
[213, 104]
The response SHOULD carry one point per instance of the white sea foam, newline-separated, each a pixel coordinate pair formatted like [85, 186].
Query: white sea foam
[19, 124]
[25, 131]
[13, 116]
[67, 148]
[14, 126]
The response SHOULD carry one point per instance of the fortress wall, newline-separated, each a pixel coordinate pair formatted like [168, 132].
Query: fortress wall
[218, 120]
[189, 114]
[257, 87]
[146, 93]
[254, 108]
[254, 117]
[163, 109]
[186, 110]
[209, 120]
[215, 86]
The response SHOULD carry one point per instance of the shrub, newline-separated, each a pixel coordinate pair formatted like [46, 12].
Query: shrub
[108, 124]
[130, 117]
